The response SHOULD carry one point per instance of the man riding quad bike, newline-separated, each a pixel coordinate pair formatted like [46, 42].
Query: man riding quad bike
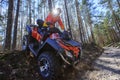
[52, 48]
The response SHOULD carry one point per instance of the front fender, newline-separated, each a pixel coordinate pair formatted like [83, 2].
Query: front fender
[50, 45]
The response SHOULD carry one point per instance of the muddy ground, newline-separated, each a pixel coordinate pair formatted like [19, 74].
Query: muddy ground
[16, 65]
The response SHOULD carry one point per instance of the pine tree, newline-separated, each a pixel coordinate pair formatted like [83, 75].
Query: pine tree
[68, 17]
[9, 25]
[79, 20]
[16, 25]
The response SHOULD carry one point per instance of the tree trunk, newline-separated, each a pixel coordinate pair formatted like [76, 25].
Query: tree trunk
[68, 18]
[79, 19]
[115, 35]
[29, 11]
[65, 17]
[92, 35]
[34, 15]
[15, 26]
[44, 11]
[50, 5]
[9, 25]
[111, 35]
[116, 20]
[118, 3]
[88, 18]
[87, 34]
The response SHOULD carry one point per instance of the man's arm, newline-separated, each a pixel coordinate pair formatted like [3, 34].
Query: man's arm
[61, 24]
[47, 20]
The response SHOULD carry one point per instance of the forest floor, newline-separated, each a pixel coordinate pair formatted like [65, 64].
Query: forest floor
[107, 66]
[93, 66]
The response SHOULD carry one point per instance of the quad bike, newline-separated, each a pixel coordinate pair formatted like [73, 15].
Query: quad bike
[52, 52]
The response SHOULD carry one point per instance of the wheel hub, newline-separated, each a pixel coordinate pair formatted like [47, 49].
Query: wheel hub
[44, 67]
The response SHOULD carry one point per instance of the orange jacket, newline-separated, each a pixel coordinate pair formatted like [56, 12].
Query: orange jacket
[52, 19]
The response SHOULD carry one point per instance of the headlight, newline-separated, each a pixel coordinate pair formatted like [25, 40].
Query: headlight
[69, 54]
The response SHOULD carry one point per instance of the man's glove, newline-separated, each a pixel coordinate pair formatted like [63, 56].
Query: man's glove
[66, 35]
[62, 30]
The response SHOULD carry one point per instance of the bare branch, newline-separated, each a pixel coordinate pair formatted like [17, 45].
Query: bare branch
[1, 1]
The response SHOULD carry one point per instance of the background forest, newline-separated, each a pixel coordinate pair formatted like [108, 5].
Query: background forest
[88, 21]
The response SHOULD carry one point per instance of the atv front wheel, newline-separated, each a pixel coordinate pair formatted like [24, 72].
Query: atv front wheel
[48, 66]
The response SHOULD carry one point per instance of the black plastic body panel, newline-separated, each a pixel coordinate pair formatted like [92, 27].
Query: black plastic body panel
[50, 45]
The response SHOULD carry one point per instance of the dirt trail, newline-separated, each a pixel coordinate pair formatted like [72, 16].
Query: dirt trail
[107, 66]
[16, 66]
